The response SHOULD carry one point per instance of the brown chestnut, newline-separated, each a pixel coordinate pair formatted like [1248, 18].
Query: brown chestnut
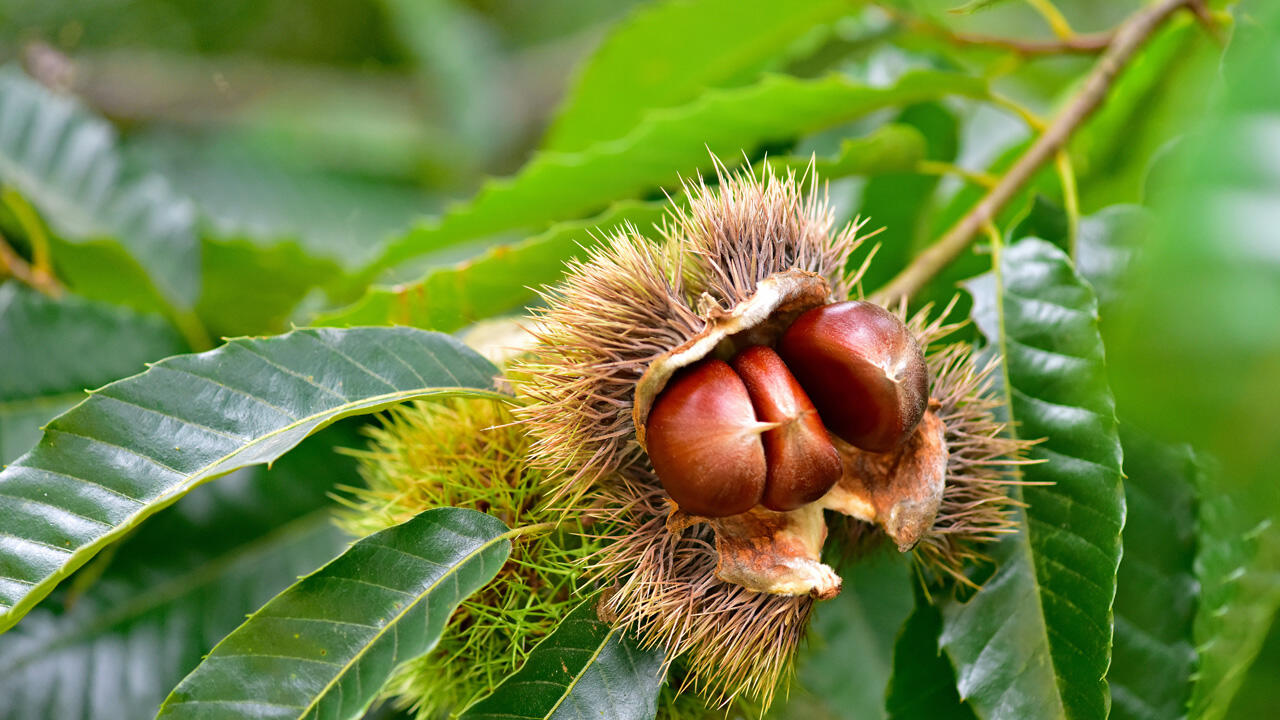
[704, 441]
[802, 463]
[863, 370]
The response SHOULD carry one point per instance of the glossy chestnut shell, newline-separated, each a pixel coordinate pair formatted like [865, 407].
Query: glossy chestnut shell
[802, 464]
[863, 370]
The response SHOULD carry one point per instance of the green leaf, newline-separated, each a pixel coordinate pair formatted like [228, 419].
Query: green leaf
[1156, 594]
[1238, 567]
[852, 636]
[65, 162]
[584, 669]
[170, 592]
[252, 288]
[1044, 219]
[667, 53]
[1152, 101]
[1257, 695]
[1036, 640]
[326, 646]
[61, 348]
[500, 280]
[923, 682]
[664, 145]
[1107, 243]
[139, 444]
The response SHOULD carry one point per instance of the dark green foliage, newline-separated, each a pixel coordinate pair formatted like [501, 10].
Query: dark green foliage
[1037, 638]
[340, 632]
[1156, 593]
[583, 670]
[126, 629]
[923, 682]
[136, 446]
[853, 637]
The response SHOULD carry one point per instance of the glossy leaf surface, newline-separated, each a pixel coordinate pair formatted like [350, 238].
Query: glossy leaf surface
[57, 349]
[1036, 641]
[325, 647]
[139, 444]
[161, 599]
[582, 670]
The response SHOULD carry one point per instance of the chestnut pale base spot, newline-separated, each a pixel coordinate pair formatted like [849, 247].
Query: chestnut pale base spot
[900, 490]
[776, 552]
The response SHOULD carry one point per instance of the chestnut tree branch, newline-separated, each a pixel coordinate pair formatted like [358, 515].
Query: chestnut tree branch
[1128, 38]
[1075, 44]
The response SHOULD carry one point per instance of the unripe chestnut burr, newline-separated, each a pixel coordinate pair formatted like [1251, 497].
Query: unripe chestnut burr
[704, 441]
[802, 463]
[863, 370]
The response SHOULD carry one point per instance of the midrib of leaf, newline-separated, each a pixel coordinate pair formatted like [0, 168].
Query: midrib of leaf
[395, 619]
[582, 671]
[1023, 538]
[174, 588]
[1036, 640]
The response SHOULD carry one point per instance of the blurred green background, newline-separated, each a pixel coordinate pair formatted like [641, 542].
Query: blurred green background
[335, 121]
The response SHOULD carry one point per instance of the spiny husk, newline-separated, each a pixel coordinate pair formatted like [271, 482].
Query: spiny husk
[663, 587]
[469, 454]
[742, 231]
[631, 302]
[615, 311]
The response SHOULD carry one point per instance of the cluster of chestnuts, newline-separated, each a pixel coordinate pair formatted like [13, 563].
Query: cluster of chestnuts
[711, 398]
[724, 437]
